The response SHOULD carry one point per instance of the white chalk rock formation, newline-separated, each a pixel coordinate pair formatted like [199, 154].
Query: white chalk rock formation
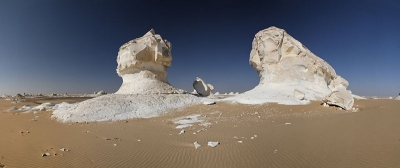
[202, 88]
[143, 63]
[284, 66]
[342, 98]
[145, 91]
[397, 98]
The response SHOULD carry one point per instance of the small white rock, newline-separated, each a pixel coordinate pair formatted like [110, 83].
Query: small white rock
[209, 102]
[213, 144]
[182, 131]
[196, 145]
[46, 154]
[288, 123]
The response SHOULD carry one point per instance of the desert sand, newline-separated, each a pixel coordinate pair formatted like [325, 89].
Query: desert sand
[268, 135]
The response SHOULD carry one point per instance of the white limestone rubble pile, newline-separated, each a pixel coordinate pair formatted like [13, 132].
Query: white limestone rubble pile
[287, 70]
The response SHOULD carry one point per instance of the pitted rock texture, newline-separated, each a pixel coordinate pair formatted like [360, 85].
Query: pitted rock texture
[289, 72]
[143, 63]
[277, 57]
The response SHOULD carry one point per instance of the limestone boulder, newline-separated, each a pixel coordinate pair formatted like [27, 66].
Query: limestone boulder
[143, 63]
[342, 98]
[202, 88]
[397, 98]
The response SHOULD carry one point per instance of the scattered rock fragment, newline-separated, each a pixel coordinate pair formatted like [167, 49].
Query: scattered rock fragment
[298, 94]
[182, 132]
[213, 144]
[64, 149]
[196, 145]
[45, 154]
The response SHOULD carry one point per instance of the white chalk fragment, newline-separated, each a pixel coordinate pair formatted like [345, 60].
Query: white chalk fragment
[182, 131]
[251, 137]
[213, 144]
[115, 144]
[46, 154]
[288, 123]
[196, 145]
[240, 141]
[255, 136]
[276, 150]
[63, 149]
[209, 102]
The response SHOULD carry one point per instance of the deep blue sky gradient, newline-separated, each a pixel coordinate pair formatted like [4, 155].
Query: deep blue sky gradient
[71, 46]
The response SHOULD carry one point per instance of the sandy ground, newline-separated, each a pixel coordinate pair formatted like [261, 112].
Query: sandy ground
[286, 136]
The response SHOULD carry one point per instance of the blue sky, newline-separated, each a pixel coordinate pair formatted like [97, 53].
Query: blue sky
[71, 46]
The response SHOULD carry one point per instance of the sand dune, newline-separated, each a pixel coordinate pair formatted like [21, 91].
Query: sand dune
[317, 136]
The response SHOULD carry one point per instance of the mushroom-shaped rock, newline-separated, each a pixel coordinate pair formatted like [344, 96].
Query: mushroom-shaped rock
[342, 98]
[142, 64]
[201, 87]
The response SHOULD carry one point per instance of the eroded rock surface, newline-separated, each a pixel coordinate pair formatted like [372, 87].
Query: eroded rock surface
[202, 88]
[288, 70]
[279, 58]
[143, 63]
[145, 91]
[342, 98]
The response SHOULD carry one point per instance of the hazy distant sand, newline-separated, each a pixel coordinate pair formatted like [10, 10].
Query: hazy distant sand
[316, 137]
